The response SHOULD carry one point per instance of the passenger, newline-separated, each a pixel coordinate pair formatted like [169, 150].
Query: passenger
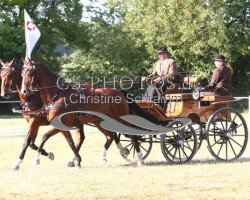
[162, 75]
[220, 83]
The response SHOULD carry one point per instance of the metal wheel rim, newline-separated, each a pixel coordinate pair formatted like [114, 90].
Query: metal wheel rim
[145, 145]
[227, 135]
[179, 149]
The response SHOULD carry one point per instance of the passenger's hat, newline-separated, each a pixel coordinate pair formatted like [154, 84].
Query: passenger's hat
[219, 57]
[162, 49]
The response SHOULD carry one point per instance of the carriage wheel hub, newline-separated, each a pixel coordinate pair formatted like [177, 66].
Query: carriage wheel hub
[229, 134]
[179, 142]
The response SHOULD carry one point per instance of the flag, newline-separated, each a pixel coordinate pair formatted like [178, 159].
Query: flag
[32, 34]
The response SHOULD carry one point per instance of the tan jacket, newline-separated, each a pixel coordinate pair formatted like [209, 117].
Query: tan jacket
[165, 68]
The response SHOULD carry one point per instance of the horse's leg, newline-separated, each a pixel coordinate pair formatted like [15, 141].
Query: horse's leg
[45, 137]
[69, 139]
[50, 155]
[137, 148]
[123, 151]
[31, 134]
[104, 151]
[71, 143]
[80, 138]
[110, 137]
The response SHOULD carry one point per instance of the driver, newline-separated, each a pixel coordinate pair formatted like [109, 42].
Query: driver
[163, 73]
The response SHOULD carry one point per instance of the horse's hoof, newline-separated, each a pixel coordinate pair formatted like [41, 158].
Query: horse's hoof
[16, 167]
[104, 161]
[140, 163]
[51, 156]
[124, 152]
[36, 162]
[71, 164]
[78, 167]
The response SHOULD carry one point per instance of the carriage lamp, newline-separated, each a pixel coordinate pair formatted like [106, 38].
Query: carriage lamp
[196, 94]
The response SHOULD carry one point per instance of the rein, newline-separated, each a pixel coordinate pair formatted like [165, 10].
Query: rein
[19, 110]
[96, 84]
[36, 89]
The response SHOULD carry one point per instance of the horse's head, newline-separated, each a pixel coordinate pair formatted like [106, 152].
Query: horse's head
[8, 74]
[28, 77]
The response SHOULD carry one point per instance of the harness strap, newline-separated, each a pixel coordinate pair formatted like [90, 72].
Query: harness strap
[78, 116]
[19, 109]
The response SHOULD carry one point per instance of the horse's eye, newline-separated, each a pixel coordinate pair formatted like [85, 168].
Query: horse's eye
[31, 73]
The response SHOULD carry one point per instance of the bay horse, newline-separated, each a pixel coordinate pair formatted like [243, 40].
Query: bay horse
[59, 101]
[11, 80]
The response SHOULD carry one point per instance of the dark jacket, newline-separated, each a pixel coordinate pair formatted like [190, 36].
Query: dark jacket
[221, 80]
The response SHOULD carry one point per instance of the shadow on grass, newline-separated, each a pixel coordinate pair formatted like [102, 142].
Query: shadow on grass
[193, 162]
[11, 116]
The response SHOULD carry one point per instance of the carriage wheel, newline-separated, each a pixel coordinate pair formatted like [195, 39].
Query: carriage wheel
[227, 134]
[180, 145]
[145, 143]
[198, 131]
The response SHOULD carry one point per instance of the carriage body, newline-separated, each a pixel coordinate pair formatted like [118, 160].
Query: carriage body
[223, 128]
[184, 105]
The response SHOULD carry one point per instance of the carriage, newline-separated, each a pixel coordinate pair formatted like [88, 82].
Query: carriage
[224, 128]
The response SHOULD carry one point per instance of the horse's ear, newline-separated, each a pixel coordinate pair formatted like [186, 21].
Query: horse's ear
[29, 60]
[2, 63]
[11, 62]
[23, 60]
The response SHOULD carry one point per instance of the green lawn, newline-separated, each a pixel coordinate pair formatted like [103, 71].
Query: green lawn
[203, 178]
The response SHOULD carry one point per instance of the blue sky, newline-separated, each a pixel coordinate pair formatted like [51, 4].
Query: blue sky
[86, 16]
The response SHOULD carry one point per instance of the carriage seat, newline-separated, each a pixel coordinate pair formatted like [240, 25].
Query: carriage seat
[179, 96]
[153, 108]
[218, 98]
[181, 82]
[185, 79]
[190, 79]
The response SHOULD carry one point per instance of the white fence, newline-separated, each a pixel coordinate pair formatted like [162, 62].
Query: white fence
[238, 98]
[18, 131]
[9, 101]
[242, 98]
[14, 131]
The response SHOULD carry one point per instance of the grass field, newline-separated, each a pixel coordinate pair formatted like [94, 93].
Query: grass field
[203, 178]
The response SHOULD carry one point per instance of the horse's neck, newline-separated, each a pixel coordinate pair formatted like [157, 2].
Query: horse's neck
[47, 84]
[18, 78]
[22, 98]
[18, 83]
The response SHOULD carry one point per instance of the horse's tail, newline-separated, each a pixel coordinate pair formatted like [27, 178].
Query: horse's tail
[141, 112]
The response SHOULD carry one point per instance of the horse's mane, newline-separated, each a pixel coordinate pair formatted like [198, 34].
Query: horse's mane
[16, 66]
[48, 71]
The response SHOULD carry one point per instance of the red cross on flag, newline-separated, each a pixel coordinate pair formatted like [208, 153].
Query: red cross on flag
[32, 34]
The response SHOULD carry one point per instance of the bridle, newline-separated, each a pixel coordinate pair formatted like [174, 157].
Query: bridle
[8, 71]
[29, 71]
[34, 87]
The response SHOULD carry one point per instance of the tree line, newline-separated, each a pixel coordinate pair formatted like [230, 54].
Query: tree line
[121, 38]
